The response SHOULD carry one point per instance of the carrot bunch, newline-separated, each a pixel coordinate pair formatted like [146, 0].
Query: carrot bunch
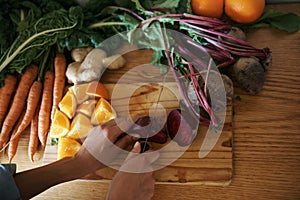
[29, 101]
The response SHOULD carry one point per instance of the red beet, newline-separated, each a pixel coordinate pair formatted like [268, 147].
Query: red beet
[146, 126]
[179, 128]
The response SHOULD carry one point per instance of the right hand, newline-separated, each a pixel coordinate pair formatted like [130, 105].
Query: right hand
[134, 186]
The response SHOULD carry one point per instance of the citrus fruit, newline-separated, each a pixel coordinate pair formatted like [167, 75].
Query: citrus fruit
[68, 104]
[244, 11]
[97, 89]
[80, 92]
[103, 112]
[87, 107]
[208, 8]
[60, 125]
[67, 147]
[80, 127]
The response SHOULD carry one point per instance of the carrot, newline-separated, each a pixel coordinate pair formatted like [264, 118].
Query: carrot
[18, 103]
[33, 137]
[60, 67]
[14, 141]
[6, 93]
[32, 104]
[45, 110]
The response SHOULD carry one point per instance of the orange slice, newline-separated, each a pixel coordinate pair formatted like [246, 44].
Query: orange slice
[97, 89]
[67, 147]
[68, 104]
[80, 92]
[87, 107]
[60, 125]
[80, 127]
[103, 112]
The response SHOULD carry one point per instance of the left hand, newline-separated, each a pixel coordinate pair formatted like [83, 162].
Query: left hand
[103, 143]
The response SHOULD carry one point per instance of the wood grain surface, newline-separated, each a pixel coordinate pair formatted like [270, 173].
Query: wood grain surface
[175, 165]
[266, 140]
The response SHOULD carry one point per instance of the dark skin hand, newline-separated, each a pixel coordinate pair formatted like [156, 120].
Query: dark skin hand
[35, 181]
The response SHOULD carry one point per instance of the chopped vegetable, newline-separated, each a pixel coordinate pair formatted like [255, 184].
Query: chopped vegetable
[180, 127]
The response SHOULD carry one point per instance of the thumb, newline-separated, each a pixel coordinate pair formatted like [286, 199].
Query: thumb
[136, 148]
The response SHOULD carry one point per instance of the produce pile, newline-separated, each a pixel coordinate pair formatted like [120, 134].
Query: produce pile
[37, 39]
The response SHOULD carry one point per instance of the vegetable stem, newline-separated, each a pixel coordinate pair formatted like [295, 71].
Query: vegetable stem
[23, 45]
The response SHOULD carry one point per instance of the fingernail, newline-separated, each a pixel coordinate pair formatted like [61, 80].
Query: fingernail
[135, 136]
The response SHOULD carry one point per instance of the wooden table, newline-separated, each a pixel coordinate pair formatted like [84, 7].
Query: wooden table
[266, 142]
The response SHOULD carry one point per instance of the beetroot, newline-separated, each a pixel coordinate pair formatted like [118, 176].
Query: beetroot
[181, 127]
[150, 127]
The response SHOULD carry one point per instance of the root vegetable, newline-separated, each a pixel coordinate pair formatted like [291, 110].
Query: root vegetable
[236, 33]
[181, 127]
[250, 74]
[72, 71]
[90, 69]
[19, 102]
[114, 62]
[149, 127]
[228, 85]
[79, 54]
[45, 108]
[93, 59]
[33, 137]
[60, 67]
[6, 93]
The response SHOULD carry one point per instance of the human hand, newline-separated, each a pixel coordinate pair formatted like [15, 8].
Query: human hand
[134, 186]
[104, 142]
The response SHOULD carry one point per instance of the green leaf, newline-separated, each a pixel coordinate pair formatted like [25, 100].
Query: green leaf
[184, 6]
[45, 32]
[288, 22]
[165, 4]
[53, 141]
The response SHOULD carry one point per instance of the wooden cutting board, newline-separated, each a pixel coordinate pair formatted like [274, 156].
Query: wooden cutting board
[214, 169]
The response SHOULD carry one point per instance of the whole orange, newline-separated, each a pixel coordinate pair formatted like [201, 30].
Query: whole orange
[208, 8]
[244, 11]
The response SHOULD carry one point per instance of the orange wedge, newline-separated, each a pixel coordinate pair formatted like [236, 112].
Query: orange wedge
[97, 89]
[80, 92]
[103, 112]
[67, 147]
[87, 107]
[68, 104]
[60, 125]
[80, 127]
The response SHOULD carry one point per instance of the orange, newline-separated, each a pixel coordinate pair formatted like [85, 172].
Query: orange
[103, 112]
[67, 147]
[68, 104]
[80, 127]
[60, 125]
[80, 92]
[87, 107]
[244, 11]
[97, 89]
[208, 8]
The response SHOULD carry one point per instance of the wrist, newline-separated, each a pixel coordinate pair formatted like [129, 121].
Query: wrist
[86, 162]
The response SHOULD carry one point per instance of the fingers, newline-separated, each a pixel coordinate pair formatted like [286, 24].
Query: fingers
[115, 127]
[125, 141]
